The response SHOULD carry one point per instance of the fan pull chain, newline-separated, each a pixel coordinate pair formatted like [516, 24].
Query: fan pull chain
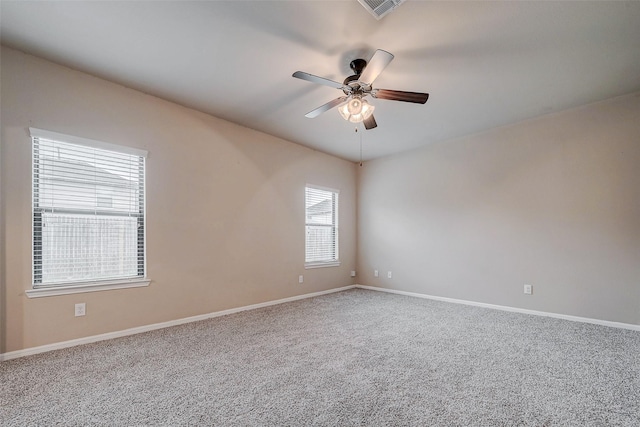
[356, 129]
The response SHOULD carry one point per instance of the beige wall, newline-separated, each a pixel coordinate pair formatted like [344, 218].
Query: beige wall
[225, 206]
[552, 202]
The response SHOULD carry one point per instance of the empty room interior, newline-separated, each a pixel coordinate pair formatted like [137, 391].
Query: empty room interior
[294, 213]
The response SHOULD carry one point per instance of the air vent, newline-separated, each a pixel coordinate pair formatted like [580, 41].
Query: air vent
[380, 8]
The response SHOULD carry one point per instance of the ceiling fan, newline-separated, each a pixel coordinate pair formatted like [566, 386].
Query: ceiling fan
[353, 106]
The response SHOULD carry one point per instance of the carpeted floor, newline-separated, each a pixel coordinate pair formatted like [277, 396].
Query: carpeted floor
[354, 358]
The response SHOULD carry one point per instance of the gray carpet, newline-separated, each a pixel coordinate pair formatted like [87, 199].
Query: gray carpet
[354, 358]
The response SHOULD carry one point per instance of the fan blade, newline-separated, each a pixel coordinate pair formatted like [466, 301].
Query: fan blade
[377, 63]
[370, 122]
[318, 80]
[329, 105]
[398, 95]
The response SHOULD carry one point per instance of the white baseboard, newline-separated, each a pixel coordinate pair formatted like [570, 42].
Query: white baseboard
[132, 331]
[507, 308]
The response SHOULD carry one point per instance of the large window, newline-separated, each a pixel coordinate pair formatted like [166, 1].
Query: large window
[88, 211]
[321, 243]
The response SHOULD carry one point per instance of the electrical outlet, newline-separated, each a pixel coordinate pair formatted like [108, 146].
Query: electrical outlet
[353, 273]
[81, 309]
[301, 279]
[528, 289]
[388, 275]
[375, 273]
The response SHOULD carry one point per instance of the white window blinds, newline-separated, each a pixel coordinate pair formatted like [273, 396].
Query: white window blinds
[321, 209]
[88, 211]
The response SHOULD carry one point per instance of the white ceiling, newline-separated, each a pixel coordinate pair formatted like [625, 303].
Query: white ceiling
[484, 64]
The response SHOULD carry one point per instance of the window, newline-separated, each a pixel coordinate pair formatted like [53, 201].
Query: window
[88, 212]
[321, 211]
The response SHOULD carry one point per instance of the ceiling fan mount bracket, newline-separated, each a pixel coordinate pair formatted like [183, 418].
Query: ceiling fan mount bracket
[358, 65]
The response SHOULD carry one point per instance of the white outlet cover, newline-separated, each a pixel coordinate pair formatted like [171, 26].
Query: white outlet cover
[301, 279]
[388, 275]
[375, 273]
[353, 273]
[528, 289]
[80, 309]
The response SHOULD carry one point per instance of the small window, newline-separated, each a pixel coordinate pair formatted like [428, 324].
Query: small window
[321, 243]
[88, 211]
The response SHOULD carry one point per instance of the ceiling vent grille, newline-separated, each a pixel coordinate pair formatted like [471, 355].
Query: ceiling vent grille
[380, 8]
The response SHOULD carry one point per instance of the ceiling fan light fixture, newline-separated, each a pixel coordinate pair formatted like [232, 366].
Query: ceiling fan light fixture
[356, 110]
[352, 106]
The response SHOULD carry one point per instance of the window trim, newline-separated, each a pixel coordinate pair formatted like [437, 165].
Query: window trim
[72, 287]
[335, 226]
[320, 264]
[82, 287]
[46, 134]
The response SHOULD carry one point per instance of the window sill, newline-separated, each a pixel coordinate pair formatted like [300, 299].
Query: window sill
[308, 265]
[86, 287]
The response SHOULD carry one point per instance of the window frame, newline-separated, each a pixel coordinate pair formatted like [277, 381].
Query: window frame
[39, 289]
[335, 261]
